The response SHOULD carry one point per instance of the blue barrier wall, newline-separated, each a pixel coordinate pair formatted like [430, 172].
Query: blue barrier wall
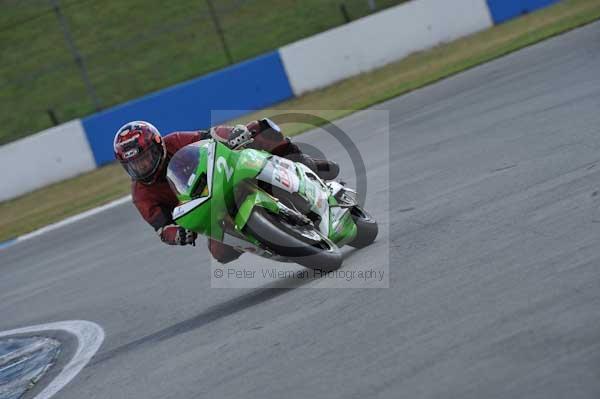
[503, 10]
[254, 84]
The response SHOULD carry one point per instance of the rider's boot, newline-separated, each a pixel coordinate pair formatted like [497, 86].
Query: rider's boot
[325, 169]
[266, 138]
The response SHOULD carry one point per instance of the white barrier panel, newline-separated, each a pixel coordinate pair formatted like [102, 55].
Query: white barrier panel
[44, 158]
[379, 39]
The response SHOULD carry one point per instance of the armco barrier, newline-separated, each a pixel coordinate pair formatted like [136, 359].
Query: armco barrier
[253, 84]
[503, 10]
[44, 158]
[384, 37]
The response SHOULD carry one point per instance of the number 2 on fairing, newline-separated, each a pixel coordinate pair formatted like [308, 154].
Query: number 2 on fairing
[222, 165]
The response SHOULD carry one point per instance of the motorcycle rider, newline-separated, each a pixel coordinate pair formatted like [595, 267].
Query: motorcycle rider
[145, 154]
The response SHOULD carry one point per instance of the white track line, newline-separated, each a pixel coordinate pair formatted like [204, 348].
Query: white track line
[68, 221]
[89, 338]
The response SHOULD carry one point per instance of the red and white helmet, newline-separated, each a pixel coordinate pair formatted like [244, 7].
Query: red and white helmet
[139, 147]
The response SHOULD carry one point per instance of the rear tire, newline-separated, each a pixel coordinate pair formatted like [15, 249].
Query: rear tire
[366, 228]
[288, 240]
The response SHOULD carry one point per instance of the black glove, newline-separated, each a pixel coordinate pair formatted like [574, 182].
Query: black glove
[177, 235]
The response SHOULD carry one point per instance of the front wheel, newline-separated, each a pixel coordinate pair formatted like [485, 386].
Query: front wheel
[366, 228]
[300, 243]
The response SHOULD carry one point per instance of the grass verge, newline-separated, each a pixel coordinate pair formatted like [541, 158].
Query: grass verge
[135, 47]
[58, 201]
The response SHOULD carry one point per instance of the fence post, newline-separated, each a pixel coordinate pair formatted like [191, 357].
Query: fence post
[52, 116]
[220, 33]
[372, 5]
[76, 54]
[344, 12]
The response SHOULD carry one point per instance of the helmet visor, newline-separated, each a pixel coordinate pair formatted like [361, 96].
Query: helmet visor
[145, 164]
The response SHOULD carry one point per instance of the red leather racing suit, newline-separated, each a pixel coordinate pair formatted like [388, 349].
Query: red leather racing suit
[156, 201]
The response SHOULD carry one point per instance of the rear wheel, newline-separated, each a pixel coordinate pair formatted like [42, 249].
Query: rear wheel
[366, 228]
[300, 243]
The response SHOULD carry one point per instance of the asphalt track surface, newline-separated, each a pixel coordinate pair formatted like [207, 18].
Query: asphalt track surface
[495, 263]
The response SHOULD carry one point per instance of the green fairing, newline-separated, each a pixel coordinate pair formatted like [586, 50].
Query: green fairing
[248, 164]
[207, 212]
[259, 198]
[229, 169]
[344, 231]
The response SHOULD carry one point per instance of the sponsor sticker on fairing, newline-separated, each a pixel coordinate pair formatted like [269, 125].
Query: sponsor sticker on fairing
[281, 173]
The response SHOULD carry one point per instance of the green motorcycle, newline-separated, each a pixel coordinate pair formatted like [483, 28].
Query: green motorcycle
[267, 205]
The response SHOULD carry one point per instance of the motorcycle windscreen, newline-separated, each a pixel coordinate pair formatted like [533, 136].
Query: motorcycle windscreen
[181, 173]
[193, 186]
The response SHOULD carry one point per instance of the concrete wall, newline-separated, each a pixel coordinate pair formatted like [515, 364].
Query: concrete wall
[374, 41]
[44, 158]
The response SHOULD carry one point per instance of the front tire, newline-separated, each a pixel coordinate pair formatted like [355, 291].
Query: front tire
[366, 228]
[298, 243]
